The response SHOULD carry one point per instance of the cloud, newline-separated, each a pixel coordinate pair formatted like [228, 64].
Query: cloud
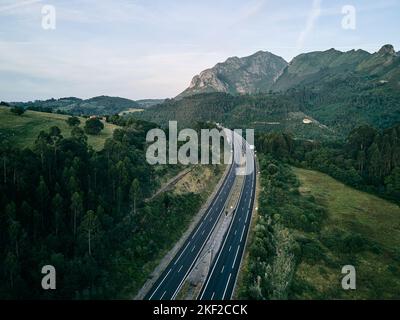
[311, 20]
[12, 6]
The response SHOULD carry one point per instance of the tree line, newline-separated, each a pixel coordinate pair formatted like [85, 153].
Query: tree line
[368, 159]
[83, 212]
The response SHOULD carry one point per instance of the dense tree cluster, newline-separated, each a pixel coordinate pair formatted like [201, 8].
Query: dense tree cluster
[369, 159]
[82, 211]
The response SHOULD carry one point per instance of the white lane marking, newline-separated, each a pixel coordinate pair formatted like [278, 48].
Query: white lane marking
[180, 268]
[241, 237]
[223, 267]
[203, 232]
[163, 295]
[235, 232]
[230, 247]
[197, 230]
[160, 284]
[227, 284]
[213, 295]
[237, 251]
[247, 216]
[181, 253]
[193, 248]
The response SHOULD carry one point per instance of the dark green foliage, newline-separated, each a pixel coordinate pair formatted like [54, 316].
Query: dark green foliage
[82, 211]
[101, 105]
[17, 110]
[93, 126]
[369, 159]
[73, 121]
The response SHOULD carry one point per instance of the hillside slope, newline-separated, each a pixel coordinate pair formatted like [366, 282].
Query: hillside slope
[101, 105]
[23, 130]
[351, 213]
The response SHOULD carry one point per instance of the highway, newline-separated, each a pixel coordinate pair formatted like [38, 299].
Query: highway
[221, 280]
[168, 284]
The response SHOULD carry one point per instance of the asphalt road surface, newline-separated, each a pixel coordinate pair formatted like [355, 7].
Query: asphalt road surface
[221, 280]
[168, 284]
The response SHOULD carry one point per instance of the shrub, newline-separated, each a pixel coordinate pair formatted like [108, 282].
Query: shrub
[93, 126]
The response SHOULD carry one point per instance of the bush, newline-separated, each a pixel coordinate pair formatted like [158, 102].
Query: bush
[93, 126]
[73, 121]
[18, 110]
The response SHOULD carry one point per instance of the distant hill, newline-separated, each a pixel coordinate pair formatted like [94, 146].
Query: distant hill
[101, 105]
[146, 103]
[250, 74]
[23, 130]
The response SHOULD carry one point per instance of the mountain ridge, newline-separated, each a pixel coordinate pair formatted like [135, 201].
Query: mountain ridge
[264, 71]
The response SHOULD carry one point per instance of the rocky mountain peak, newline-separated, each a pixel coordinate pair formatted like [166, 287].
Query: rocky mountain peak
[238, 75]
[387, 49]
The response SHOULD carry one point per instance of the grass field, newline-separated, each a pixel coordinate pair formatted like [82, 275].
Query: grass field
[23, 130]
[352, 212]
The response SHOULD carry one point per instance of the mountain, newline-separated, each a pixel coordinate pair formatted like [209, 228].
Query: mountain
[100, 105]
[324, 66]
[309, 67]
[333, 91]
[239, 75]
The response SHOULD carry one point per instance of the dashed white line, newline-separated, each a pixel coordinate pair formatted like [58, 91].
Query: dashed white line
[181, 253]
[163, 295]
[160, 284]
[180, 268]
[237, 251]
[241, 237]
[223, 267]
[227, 284]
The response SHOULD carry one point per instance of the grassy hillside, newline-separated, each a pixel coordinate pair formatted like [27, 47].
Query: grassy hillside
[23, 130]
[309, 227]
[376, 223]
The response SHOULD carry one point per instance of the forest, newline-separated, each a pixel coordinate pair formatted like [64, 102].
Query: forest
[368, 159]
[83, 211]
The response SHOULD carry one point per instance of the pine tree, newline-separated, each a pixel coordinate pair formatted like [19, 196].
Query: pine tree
[76, 208]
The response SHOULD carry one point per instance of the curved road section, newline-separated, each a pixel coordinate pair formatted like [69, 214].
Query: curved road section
[168, 284]
[221, 281]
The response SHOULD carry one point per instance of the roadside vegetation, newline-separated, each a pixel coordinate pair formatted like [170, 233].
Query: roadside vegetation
[82, 210]
[311, 225]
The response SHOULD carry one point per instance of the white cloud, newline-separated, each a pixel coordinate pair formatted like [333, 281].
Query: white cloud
[311, 20]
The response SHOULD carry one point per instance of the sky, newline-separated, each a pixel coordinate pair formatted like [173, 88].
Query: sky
[152, 48]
